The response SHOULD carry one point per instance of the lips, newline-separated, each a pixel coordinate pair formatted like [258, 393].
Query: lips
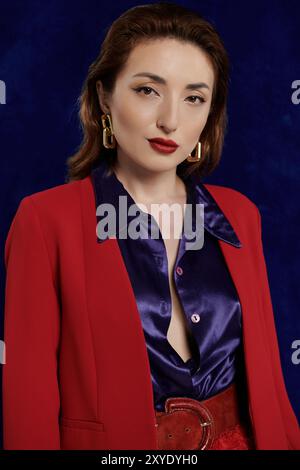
[162, 148]
[164, 142]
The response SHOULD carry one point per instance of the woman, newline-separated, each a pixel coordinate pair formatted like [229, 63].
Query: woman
[136, 342]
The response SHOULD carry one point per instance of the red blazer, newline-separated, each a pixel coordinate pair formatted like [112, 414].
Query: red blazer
[72, 327]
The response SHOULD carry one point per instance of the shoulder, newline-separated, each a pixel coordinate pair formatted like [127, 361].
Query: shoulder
[233, 201]
[240, 209]
[53, 214]
[226, 195]
[54, 208]
[55, 202]
[53, 197]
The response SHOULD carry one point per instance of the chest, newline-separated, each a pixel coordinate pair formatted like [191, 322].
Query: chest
[178, 334]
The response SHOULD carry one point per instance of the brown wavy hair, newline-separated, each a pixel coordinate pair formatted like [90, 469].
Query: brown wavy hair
[136, 25]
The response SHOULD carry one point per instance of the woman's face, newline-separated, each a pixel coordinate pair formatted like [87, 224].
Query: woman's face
[166, 108]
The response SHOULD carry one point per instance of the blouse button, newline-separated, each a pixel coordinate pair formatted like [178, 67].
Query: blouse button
[179, 270]
[195, 318]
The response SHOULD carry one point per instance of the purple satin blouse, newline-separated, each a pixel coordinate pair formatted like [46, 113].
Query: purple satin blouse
[205, 289]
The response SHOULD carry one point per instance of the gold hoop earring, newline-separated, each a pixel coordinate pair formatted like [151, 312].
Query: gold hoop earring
[109, 140]
[197, 156]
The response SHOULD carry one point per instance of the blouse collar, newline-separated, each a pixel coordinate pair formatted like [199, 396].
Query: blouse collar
[108, 188]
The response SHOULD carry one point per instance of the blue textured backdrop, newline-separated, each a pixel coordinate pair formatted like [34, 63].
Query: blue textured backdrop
[45, 50]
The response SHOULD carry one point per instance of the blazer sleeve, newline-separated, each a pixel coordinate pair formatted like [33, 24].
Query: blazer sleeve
[31, 334]
[288, 415]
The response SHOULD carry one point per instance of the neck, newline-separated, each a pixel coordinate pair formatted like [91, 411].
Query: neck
[149, 187]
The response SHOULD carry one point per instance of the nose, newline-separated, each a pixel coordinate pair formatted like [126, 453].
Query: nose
[168, 116]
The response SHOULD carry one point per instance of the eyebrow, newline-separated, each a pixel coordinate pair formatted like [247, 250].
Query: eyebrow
[158, 79]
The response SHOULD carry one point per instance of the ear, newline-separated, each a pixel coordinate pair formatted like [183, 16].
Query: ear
[102, 96]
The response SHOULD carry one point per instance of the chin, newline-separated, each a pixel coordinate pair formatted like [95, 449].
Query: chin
[159, 165]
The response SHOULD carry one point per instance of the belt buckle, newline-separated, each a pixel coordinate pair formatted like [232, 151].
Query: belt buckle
[205, 417]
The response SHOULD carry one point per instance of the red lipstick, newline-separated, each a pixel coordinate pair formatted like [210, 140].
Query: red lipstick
[163, 145]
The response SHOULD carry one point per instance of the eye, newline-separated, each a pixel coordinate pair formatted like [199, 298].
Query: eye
[139, 89]
[201, 100]
[145, 88]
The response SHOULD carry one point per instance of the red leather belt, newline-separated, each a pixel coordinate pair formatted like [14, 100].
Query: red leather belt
[187, 423]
